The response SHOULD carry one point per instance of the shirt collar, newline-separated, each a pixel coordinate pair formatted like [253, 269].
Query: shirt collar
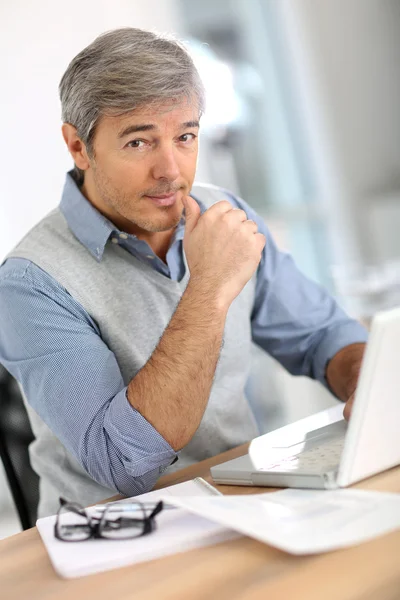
[87, 224]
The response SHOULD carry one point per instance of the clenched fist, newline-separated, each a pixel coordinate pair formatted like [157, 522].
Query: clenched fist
[223, 249]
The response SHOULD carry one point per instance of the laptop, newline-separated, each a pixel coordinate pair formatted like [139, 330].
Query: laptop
[323, 451]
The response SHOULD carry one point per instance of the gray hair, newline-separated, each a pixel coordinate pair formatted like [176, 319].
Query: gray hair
[122, 70]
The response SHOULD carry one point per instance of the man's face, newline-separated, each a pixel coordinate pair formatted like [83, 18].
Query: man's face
[144, 163]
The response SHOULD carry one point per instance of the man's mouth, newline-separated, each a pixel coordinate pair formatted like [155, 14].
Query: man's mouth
[163, 199]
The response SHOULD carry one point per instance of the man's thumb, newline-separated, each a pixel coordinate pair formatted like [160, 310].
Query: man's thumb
[192, 213]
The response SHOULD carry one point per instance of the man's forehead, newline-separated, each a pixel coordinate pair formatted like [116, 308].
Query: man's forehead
[157, 115]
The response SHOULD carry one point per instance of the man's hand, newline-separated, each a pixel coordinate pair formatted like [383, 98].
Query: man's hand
[342, 374]
[223, 249]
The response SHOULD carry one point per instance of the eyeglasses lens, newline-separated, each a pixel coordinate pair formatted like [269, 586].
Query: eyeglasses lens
[72, 524]
[126, 523]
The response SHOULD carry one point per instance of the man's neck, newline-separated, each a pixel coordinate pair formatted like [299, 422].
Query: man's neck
[159, 242]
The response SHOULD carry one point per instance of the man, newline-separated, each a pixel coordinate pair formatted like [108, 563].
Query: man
[127, 313]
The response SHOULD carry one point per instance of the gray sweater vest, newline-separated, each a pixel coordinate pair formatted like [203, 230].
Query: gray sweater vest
[131, 322]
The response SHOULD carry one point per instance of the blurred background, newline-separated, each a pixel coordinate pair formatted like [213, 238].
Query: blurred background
[303, 122]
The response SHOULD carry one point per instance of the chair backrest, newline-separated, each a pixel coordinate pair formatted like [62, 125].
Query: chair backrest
[15, 437]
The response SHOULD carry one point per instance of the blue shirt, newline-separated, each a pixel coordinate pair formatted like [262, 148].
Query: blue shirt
[293, 319]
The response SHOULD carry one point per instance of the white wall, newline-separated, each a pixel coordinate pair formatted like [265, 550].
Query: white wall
[345, 56]
[37, 41]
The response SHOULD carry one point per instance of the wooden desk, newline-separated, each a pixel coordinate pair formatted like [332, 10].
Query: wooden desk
[237, 570]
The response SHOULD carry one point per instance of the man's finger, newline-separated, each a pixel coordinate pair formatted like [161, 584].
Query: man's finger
[240, 214]
[252, 225]
[348, 407]
[220, 207]
[192, 213]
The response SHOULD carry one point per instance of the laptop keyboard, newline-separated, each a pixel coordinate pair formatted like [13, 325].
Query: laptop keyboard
[318, 459]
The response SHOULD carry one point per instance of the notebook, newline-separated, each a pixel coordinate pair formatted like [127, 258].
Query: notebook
[177, 531]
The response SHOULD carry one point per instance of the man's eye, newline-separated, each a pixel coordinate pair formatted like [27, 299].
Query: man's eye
[187, 137]
[135, 144]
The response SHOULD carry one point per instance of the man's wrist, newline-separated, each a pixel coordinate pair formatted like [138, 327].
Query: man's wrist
[343, 370]
[200, 294]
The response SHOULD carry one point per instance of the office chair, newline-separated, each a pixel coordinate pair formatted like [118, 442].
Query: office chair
[15, 437]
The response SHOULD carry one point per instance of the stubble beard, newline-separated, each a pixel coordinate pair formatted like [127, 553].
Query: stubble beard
[122, 203]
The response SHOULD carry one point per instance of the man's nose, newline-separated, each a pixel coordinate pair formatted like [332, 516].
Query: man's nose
[166, 166]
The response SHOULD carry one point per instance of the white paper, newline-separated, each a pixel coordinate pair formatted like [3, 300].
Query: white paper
[194, 487]
[177, 531]
[303, 521]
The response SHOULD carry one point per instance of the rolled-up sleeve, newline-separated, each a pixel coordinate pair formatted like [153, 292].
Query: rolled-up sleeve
[50, 344]
[295, 320]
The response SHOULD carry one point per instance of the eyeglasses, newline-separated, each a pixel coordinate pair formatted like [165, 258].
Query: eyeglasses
[117, 522]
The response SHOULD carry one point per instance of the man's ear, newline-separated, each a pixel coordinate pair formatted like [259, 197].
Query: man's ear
[75, 146]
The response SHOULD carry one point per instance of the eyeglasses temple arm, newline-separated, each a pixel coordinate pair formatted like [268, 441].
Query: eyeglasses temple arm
[158, 508]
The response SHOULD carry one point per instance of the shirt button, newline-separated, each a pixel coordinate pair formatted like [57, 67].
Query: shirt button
[114, 240]
[123, 236]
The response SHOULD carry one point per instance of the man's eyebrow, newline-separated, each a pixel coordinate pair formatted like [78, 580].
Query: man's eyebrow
[148, 127]
[190, 124]
[135, 128]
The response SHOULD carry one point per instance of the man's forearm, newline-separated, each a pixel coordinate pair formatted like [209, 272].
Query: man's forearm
[171, 391]
[343, 370]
